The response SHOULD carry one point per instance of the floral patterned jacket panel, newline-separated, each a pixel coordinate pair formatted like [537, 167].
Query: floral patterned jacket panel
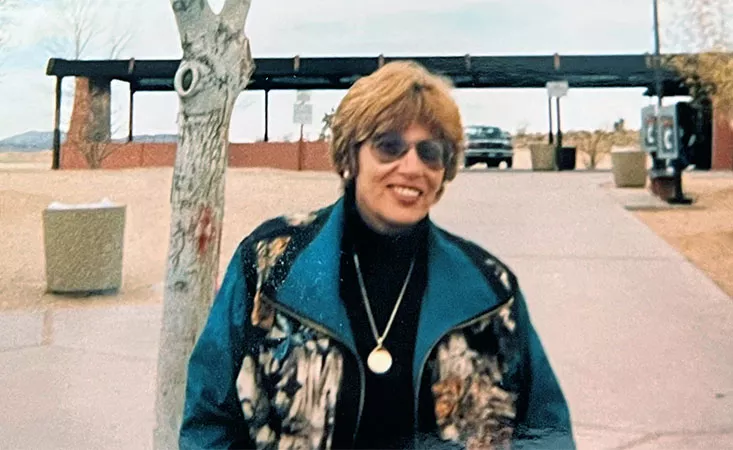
[288, 389]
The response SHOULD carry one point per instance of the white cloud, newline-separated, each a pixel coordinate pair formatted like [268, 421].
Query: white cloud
[340, 10]
[341, 28]
[22, 27]
[27, 102]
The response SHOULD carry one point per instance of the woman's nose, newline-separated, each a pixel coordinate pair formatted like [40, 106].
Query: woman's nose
[411, 162]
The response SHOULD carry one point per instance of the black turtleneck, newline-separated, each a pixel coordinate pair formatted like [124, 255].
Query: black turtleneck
[388, 416]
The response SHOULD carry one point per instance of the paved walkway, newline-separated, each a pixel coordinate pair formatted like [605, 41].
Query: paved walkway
[640, 338]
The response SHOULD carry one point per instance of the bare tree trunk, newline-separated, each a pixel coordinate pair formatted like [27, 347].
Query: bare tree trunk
[215, 68]
[96, 152]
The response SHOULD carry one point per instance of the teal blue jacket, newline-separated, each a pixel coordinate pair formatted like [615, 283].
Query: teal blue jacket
[268, 369]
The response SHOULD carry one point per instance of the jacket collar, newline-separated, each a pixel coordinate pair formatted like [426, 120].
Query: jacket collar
[456, 290]
[311, 287]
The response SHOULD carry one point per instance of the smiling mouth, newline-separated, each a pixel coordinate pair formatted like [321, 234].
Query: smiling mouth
[406, 191]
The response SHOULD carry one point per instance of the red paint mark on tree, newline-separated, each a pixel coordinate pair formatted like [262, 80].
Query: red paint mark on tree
[206, 231]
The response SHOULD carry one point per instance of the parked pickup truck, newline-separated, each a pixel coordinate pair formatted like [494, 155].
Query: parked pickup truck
[487, 144]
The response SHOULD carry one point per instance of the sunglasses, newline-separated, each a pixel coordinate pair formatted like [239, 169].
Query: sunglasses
[391, 146]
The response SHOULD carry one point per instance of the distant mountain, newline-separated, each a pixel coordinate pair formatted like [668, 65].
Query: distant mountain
[33, 141]
[30, 141]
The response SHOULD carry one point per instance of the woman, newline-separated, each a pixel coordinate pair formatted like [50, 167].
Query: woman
[364, 324]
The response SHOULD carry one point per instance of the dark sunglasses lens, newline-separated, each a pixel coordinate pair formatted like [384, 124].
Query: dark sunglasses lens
[432, 152]
[390, 145]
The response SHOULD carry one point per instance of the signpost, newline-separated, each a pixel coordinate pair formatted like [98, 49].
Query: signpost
[556, 89]
[303, 96]
[660, 132]
[302, 115]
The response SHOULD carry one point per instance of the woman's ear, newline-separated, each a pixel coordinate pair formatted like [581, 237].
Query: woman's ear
[352, 165]
[441, 191]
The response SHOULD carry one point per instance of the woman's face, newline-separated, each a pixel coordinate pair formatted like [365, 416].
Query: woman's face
[394, 195]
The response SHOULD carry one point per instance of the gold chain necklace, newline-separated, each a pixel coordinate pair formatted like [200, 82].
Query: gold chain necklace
[380, 360]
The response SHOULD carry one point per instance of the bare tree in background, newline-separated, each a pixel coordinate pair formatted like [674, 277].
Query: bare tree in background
[90, 28]
[325, 132]
[85, 29]
[215, 69]
[594, 146]
[5, 7]
[522, 128]
[703, 27]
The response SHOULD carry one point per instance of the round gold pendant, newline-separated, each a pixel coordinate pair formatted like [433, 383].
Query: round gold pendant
[379, 360]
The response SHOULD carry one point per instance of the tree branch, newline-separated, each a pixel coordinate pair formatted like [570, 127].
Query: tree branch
[190, 13]
[4, 5]
[235, 13]
[118, 44]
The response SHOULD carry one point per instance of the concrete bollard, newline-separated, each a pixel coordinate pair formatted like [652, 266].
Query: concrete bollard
[83, 247]
[629, 167]
[543, 156]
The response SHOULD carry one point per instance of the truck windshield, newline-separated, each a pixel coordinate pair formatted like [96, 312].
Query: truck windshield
[483, 133]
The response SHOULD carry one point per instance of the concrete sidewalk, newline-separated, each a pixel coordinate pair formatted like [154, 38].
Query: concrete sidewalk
[640, 338]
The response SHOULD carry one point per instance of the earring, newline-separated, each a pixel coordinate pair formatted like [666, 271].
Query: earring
[346, 174]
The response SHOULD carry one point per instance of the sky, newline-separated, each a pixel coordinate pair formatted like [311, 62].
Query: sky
[284, 28]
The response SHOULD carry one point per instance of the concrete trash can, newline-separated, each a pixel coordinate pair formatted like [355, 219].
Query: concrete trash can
[543, 156]
[84, 247]
[629, 167]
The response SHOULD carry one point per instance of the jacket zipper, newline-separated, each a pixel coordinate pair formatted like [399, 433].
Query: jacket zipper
[332, 335]
[461, 325]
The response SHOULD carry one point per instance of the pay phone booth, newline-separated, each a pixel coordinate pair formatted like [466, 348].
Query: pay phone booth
[668, 132]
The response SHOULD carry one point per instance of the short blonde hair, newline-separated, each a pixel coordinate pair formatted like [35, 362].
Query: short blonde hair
[397, 95]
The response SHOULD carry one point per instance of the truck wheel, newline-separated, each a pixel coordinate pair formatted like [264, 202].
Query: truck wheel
[468, 162]
[509, 162]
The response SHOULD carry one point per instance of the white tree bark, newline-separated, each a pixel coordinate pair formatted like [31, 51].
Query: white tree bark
[215, 68]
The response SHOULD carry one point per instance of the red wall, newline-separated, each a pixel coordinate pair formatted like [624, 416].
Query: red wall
[722, 142]
[277, 155]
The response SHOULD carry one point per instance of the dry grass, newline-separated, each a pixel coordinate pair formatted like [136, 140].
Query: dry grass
[593, 147]
[704, 235]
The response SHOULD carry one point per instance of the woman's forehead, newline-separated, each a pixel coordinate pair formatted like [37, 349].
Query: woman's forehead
[407, 127]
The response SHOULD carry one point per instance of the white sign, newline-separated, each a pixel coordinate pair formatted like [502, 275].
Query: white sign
[303, 96]
[303, 114]
[557, 88]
